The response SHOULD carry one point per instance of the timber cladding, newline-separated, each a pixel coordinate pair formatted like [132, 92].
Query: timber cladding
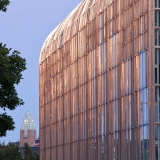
[95, 84]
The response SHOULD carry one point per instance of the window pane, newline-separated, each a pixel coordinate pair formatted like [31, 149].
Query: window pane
[143, 70]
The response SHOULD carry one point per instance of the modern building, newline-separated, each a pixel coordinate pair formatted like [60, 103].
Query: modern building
[28, 131]
[99, 76]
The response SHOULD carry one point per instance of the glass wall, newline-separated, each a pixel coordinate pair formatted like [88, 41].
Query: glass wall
[94, 86]
[157, 78]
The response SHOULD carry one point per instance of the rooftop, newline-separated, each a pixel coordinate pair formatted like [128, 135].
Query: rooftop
[74, 22]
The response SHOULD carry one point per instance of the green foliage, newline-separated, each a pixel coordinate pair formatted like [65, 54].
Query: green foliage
[11, 68]
[6, 123]
[3, 5]
[10, 152]
[28, 154]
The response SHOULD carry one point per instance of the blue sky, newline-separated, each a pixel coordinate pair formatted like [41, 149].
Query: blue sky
[24, 27]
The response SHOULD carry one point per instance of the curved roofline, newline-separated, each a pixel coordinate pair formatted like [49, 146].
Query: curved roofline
[53, 32]
[74, 16]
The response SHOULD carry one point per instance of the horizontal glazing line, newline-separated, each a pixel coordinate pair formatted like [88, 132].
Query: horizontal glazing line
[145, 12]
[96, 67]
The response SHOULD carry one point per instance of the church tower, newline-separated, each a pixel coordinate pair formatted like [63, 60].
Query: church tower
[28, 130]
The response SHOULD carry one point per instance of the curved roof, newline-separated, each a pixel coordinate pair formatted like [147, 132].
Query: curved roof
[64, 29]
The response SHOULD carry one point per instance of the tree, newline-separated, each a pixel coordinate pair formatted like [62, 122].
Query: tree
[28, 154]
[11, 68]
[10, 152]
[2, 151]
[3, 5]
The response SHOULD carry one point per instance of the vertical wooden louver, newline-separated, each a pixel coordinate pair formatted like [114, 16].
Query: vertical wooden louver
[97, 83]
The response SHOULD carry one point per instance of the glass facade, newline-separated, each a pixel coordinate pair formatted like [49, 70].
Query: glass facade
[95, 84]
[157, 78]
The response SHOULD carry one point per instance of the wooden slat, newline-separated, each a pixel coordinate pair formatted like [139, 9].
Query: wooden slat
[96, 70]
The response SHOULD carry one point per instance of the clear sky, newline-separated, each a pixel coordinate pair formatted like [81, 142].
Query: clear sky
[24, 27]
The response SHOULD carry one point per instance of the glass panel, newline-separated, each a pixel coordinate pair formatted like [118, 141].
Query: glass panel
[157, 120]
[144, 124]
[155, 75]
[157, 18]
[157, 37]
[157, 104]
[143, 70]
[157, 3]
[157, 66]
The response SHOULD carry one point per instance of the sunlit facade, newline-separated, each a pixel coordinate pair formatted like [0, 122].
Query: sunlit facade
[100, 83]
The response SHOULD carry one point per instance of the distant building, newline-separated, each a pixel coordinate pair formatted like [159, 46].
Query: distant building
[37, 142]
[28, 131]
[34, 149]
